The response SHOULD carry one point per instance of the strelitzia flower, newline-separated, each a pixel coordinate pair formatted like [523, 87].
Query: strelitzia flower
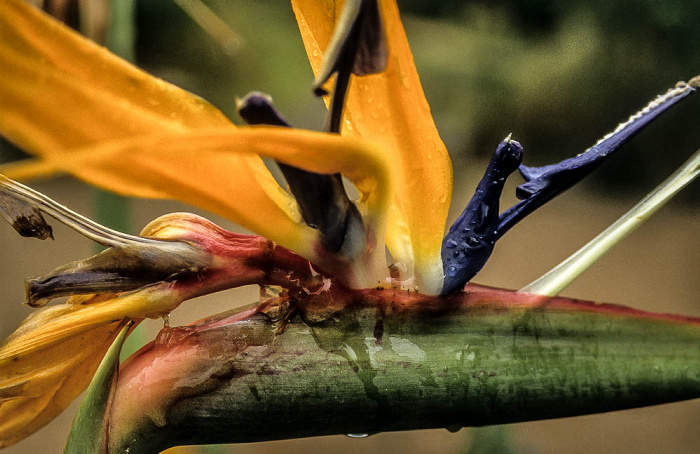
[79, 109]
[137, 135]
[139, 113]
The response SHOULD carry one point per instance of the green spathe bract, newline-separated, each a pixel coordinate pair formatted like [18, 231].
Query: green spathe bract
[89, 430]
[397, 362]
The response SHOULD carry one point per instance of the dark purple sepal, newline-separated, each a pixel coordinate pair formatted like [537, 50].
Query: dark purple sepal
[471, 239]
[257, 108]
[546, 182]
[322, 200]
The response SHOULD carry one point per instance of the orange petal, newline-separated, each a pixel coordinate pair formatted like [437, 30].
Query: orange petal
[51, 357]
[60, 92]
[196, 167]
[390, 109]
[27, 169]
[36, 386]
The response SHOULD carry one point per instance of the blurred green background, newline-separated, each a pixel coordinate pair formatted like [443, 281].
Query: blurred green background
[558, 75]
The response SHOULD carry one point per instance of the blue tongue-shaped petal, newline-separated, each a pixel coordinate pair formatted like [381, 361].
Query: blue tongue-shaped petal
[546, 182]
[533, 173]
[471, 239]
[468, 245]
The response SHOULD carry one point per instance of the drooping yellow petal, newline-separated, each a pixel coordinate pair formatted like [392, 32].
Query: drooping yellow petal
[20, 417]
[390, 109]
[60, 92]
[38, 365]
[51, 357]
[194, 167]
[38, 382]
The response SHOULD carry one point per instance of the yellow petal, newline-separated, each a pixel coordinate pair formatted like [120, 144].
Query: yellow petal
[20, 417]
[39, 383]
[60, 92]
[29, 368]
[390, 109]
[52, 325]
[195, 167]
[52, 356]
[27, 169]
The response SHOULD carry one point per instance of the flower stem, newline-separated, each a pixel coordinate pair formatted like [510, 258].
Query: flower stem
[475, 358]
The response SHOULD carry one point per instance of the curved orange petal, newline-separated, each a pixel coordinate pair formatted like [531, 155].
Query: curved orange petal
[196, 167]
[60, 92]
[390, 109]
[27, 169]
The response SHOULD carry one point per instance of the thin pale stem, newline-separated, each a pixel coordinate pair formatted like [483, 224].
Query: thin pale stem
[79, 223]
[557, 279]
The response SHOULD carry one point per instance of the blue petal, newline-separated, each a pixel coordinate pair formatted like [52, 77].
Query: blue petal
[469, 244]
[545, 183]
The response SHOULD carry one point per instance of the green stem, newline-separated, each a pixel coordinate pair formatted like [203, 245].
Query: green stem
[479, 358]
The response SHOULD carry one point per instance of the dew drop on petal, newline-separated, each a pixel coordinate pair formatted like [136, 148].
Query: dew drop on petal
[472, 241]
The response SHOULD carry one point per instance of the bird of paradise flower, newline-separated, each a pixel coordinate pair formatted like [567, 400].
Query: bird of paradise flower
[112, 125]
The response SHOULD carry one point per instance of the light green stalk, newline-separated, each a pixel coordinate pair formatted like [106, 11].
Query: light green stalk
[89, 428]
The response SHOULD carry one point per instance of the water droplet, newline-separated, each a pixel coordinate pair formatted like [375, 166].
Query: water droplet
[358, 435]
[466, 230]
[453, 428]
[484, 210]
[473, 241]
[451, 243]
[452, 271]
